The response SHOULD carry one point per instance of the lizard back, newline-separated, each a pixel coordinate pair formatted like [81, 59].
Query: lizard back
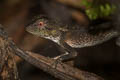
[78, 39]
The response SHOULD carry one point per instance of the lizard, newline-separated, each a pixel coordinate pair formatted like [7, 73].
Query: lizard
[67, 38]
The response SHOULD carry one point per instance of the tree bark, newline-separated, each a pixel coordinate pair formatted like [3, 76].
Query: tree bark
[8, 69]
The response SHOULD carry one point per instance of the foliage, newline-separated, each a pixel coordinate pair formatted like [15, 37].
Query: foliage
[94, 11]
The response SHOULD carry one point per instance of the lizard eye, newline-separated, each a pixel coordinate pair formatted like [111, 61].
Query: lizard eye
[41, 24]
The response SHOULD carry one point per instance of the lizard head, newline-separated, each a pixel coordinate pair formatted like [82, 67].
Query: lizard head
[43, 27]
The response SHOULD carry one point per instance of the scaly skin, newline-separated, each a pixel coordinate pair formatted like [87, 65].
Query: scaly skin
[67, 38]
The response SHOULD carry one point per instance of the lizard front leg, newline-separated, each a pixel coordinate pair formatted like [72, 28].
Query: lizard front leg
[68, 51]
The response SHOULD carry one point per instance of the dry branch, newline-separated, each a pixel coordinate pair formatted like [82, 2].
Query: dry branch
[8, 68]
[62, 71]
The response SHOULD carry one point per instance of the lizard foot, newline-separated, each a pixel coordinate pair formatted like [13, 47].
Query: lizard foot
[57, 61]
[63, 57]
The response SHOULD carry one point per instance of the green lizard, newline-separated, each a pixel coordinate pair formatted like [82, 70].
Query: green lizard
[67, 37]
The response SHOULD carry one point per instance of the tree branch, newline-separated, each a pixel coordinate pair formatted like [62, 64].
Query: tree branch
[8, 68]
